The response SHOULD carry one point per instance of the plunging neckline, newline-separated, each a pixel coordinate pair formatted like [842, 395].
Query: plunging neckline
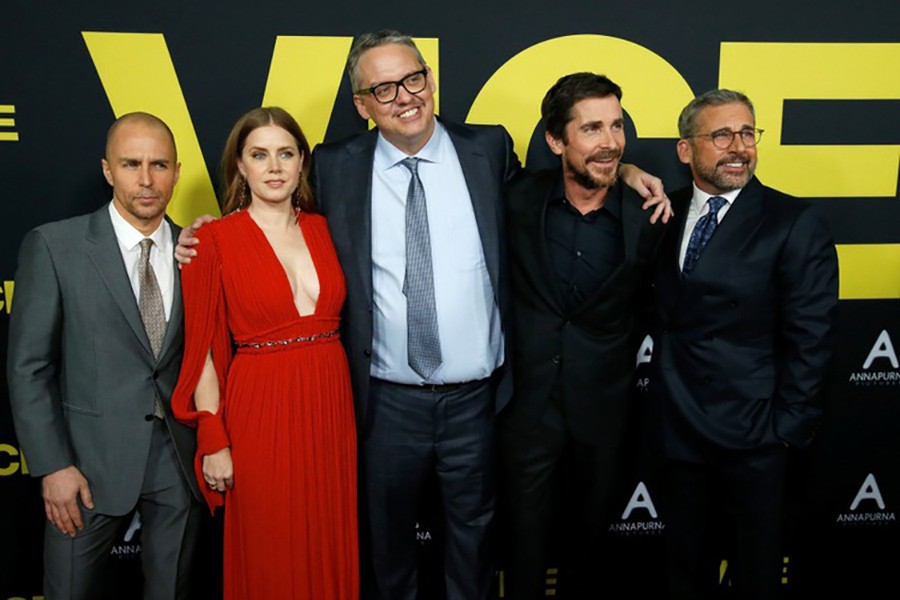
[301, 217]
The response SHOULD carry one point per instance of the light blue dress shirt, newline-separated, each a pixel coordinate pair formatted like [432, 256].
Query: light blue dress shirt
[467, 312]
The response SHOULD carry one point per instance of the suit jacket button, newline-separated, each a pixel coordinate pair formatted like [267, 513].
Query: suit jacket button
[148, 418]
[556, 359]
[367, 353]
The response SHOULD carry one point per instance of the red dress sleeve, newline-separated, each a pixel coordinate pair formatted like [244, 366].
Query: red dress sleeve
[205, 329]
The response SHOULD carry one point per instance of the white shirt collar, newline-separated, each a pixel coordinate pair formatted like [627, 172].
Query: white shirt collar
[699, 199]
[130, 238]
[387, 155]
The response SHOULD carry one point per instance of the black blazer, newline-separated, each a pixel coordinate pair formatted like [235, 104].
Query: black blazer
[742, 343]
[342, 183]
[588, 353]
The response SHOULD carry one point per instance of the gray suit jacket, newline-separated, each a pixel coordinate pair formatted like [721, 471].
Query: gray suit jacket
[342, 182]
[82, 376]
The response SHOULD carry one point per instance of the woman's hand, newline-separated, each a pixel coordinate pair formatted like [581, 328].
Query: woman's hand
[218, 471]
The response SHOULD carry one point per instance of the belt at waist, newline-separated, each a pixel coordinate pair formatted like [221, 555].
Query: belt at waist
[436, 388]
[275, 344]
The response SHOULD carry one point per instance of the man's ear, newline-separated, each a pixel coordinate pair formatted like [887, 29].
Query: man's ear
[685, 151]
[556, 145]
[360, 105]
[107, 174]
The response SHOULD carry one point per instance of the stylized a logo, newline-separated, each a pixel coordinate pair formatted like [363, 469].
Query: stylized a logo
[868, 491]
[133, 527]
[645, 352]
[639, 499]
[882, 349]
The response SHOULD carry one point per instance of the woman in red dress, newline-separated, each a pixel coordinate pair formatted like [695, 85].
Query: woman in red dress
[265, 377]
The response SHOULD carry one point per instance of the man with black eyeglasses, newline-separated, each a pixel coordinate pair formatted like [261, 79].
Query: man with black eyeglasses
[415, 210]
[746, 293]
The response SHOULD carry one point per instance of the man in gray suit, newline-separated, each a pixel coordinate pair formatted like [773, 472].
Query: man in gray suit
[95, 347]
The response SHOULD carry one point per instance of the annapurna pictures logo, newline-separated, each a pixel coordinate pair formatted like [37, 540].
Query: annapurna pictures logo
[640, 505]
[868, 506]
[875, 369]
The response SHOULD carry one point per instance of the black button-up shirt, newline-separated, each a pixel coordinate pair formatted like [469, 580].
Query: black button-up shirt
[584, 249]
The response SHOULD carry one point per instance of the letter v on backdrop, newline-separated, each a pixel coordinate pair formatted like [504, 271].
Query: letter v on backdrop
[305, 76]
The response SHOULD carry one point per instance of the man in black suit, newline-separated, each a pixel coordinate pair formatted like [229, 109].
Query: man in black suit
[95, 346]
[579, 247]
[746, 292]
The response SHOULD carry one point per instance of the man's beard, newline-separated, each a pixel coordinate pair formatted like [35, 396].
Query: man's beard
[725, 182]
[589, 181]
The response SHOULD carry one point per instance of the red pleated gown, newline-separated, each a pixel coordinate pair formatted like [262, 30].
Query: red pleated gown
[286, 413]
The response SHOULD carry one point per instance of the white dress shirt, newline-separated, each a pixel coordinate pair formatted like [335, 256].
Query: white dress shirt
[468, 317]
[161, 253]
[697, 209]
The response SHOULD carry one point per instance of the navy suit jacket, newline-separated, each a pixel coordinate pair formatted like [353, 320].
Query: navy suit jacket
[342, 182]
[741, 344]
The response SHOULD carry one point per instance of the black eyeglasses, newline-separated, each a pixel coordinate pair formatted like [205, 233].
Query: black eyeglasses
[723, 138]
[386, 92]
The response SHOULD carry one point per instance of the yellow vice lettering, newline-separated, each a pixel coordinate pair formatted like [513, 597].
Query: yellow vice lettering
[771, 73]
[654, 95]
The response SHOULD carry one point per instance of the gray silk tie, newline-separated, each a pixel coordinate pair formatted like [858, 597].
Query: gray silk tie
[423, 339]
[153, 313]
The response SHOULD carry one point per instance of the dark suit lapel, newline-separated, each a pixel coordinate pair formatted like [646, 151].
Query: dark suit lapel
[352, 209]
[669, 278]
[738, 226]
[534, 213]
[477, 172]
[103, 250]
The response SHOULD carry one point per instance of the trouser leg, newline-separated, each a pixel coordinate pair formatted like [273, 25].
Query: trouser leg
[170, 519]
[529, 464]
[74, 566]
[464, 447]
[397, 454]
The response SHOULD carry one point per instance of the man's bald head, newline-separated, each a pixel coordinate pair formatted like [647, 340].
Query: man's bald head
[140, 118]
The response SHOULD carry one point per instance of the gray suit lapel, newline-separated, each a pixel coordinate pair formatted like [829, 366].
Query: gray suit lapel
[103, 250]
[177, 313]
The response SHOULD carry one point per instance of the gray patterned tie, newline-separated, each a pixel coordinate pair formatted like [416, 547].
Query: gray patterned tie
[153, 313]
[703, 232]
[423, 339]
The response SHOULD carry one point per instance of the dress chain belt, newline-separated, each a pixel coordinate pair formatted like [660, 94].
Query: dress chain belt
[287, 342]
